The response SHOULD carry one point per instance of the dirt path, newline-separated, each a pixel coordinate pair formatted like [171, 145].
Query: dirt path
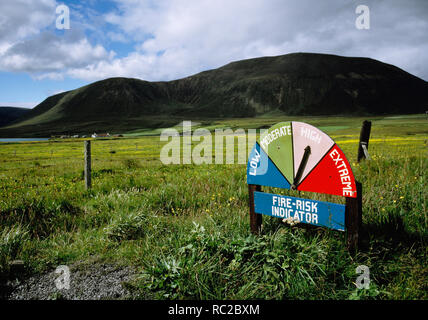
[87, 282]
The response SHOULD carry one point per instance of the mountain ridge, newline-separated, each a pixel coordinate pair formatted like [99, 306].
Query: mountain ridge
[10, 114]
[295, 84]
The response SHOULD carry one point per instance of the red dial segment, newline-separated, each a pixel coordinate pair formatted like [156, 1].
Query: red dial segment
[333, 175]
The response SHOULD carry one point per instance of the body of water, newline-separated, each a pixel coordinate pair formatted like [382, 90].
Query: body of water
[22, 139]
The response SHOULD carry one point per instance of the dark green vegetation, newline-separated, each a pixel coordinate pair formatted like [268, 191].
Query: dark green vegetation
[186, 227]
[293, 84]
[10, 114]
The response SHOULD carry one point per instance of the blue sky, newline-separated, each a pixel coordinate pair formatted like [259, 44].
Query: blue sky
[169, 39]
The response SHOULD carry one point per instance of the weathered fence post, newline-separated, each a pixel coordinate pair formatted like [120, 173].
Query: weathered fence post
[354, 206]
[255, 219]
[363, 146]
[353, 217]
[88, 164]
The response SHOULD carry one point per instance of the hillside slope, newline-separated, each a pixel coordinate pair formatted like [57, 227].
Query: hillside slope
[307, 84]
[10, 114]
[296, 84]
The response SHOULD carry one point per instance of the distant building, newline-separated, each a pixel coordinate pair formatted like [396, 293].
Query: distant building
[103, 135]
[100, 135]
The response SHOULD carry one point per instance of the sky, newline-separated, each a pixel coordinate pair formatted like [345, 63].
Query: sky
[160, 40]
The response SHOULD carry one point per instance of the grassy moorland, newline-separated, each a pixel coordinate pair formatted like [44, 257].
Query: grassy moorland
[186, 227]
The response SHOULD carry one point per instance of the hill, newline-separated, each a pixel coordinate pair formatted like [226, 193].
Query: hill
[10, 114]
[294, 84]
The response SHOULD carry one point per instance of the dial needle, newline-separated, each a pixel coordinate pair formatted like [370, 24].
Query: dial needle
[302, 167]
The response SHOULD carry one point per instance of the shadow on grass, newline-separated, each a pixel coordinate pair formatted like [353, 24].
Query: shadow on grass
[42, 218]
[9, 280]
[391, 234]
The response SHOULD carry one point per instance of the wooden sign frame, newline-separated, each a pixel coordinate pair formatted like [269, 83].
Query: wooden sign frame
[353, 205]
[353, 215]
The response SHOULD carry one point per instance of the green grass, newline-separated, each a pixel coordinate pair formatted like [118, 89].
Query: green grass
[186, 227]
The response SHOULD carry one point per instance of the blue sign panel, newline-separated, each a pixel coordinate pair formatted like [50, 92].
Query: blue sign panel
[318, 213]
[263, 172]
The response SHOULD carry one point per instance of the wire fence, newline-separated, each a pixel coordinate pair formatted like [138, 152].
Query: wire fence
[61, 156]
[63, 153]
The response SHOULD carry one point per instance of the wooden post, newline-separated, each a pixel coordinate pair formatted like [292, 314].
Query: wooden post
[88, 164]
[353, 217]
[364, 139]
[255, 219]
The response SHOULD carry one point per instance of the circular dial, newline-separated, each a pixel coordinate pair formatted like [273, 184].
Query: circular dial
[299, 156]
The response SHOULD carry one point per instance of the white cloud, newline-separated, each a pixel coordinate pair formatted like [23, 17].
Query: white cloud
[22, 18]
[181, 37]
[28, 105]
[47, 52]
[28, 42]
[177, 38]
[117, 37]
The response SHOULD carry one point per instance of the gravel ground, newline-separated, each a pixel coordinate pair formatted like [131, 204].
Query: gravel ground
[93, 282]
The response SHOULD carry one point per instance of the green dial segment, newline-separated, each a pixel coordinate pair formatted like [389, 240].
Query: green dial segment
[277, 142]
